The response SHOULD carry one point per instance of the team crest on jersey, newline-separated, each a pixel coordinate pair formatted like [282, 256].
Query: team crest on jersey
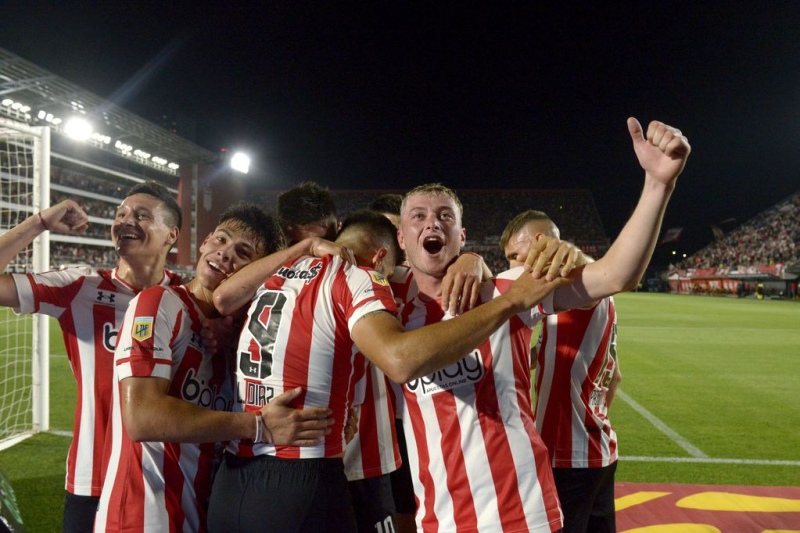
[466, 372]
[378, 278]
[307, 274]
[142, 328]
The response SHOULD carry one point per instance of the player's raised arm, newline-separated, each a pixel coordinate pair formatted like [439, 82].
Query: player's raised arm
[64, 217]
[662, 154]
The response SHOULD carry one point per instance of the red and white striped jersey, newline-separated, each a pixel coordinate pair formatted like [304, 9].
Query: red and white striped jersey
[297, 334]
[575, 359]
[159, 486]
[89, 306]
[373, 451]
[476, 460]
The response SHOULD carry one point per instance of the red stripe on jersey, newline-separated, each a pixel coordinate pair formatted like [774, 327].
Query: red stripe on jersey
[342, 369]
[595, 430]
[458, 484]
[127, 493]
[103, 368]
[506, 483]
[560, 411]
[174, 481]
[429, 520]
[367, 426]
[202, 484]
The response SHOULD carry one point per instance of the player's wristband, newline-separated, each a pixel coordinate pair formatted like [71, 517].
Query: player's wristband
[259, 431]
[41, 220]
[263, 434]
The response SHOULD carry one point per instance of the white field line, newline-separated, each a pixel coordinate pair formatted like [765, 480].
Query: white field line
[673, 435]
[709, 460]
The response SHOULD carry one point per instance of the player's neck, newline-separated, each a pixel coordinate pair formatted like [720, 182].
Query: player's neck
[203, 297]
[428, 286]
[140, 276]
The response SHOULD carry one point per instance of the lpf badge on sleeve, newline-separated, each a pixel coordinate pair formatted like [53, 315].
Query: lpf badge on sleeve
[142, 328]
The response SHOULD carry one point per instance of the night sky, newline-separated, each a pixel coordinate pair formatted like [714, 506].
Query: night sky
[505, 95]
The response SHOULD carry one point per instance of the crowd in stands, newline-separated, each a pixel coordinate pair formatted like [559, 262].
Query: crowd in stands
[772, 237]
[85, 182]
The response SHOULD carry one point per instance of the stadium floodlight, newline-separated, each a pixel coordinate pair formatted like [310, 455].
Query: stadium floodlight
[7, 102]
[240, 162]
[78, 129]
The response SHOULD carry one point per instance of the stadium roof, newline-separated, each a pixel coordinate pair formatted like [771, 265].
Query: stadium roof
[27, 83]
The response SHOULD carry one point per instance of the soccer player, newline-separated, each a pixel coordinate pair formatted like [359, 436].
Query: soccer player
[307, 210]
[577, 374]
[173, 401]
[373, 455]
[89, 305]
[476, 458]
[302, 329]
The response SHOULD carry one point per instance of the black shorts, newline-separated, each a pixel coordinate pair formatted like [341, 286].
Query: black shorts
[269, 494]
[402, 486]
[587, 498]
[79, 513]
[373, 504]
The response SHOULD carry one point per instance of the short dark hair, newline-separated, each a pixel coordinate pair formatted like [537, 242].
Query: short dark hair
[380, 227]
[518, 222]
[160, 191]
[432, 189]
[308, 203]
[388, 203]
[250, 218]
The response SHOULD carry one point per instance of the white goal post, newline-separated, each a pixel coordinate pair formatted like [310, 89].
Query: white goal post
[24, 340]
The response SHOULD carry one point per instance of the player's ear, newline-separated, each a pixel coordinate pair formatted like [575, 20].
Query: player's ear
[400, 239]
[173, 235]
[378, 258]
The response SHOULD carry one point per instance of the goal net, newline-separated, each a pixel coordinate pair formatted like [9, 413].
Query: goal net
[24, 340]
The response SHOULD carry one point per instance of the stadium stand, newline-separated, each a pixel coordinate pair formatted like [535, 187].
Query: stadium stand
[763, 251]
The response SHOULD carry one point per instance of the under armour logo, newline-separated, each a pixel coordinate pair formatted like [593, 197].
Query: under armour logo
[106, 297]
[196, 341]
